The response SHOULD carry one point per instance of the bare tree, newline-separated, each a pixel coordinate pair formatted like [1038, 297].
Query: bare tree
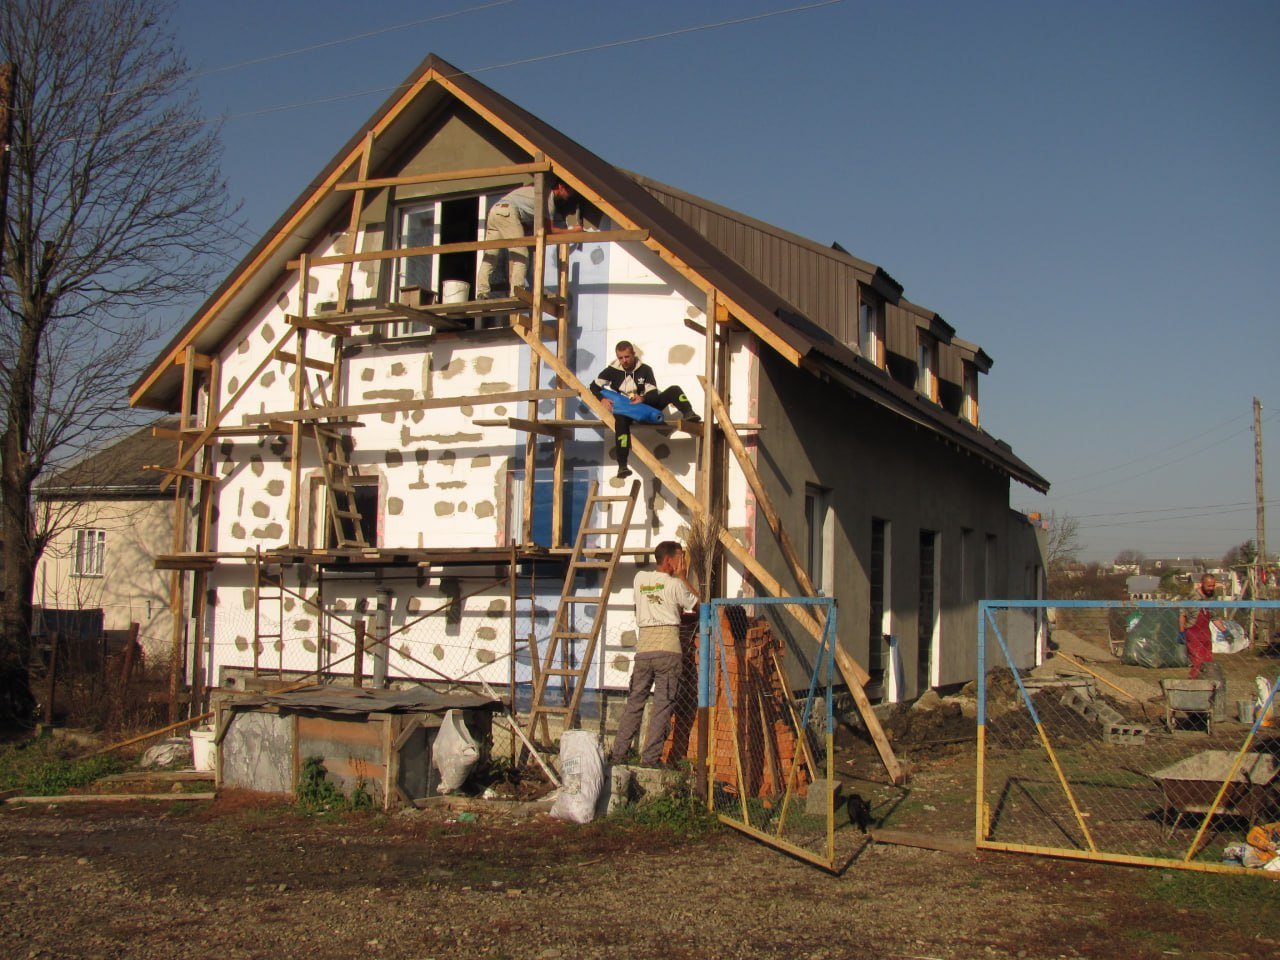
[1062, 542]
[116, 212]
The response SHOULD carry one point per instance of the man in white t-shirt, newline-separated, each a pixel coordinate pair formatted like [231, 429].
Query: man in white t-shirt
[661, 595]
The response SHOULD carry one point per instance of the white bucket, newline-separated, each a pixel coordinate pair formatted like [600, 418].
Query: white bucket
[203, 750]
[456, 291]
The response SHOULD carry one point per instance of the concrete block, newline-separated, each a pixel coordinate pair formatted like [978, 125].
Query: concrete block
[815, 803]
[1125, 734]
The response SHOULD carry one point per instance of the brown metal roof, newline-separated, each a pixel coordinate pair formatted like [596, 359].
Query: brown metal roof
[115, 472]
[762, 307]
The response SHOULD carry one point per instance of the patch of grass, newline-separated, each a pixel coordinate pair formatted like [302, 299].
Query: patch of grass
[1235, 900]
[681, 812]
[45, 767]
[317, 794]
[1163, 940]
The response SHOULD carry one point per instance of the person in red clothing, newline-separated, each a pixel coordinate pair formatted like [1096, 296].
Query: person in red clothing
[1197, 627]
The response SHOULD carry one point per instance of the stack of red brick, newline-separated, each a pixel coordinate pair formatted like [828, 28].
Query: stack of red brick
[761, 719]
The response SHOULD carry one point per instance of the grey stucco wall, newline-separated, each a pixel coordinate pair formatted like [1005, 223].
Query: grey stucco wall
[878, 465]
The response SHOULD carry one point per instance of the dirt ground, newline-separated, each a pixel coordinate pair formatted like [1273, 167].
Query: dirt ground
[244, 877]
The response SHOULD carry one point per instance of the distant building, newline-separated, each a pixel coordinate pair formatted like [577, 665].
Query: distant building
[113, 520]
[1143, 587]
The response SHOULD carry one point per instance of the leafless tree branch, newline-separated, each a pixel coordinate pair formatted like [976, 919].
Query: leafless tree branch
[116, 215]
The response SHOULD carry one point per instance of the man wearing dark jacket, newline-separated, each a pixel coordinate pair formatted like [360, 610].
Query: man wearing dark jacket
[635, 380]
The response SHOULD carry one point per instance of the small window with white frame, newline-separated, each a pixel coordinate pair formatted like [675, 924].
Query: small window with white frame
[90, 552]
[926, 367]
[970, 409]
[871, 326]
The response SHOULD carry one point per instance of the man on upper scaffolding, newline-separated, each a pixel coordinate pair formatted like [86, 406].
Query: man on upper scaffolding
[512, 217]
[640, 395]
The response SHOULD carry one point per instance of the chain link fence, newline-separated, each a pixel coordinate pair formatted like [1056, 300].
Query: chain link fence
[770, 742]
[1109, 764]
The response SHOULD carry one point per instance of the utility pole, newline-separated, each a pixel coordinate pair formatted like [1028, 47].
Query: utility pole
[1260, 561]
[1257, 480]
[6, 135]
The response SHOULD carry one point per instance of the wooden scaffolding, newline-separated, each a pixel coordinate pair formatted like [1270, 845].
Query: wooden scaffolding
[541, 319]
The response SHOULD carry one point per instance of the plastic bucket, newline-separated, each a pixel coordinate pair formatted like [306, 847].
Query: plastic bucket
[456, 291]
[203, 749]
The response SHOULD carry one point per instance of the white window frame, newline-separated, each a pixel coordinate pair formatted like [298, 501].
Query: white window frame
[871, 328]
[408, 328]
[819, 527]
[971, 393]
[89, 552]
[935, 629]
[926, 363]
[891, 663]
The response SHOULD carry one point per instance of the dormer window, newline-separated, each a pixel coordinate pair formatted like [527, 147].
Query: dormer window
[871, 327]
[970, 408]
[927, 367]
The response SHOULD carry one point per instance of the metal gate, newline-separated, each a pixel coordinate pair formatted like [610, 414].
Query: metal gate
[771, 769]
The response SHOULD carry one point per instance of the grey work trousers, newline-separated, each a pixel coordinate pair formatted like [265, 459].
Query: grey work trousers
[662, 672]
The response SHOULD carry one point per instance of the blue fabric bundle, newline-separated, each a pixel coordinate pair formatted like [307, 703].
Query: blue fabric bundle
[623, 407]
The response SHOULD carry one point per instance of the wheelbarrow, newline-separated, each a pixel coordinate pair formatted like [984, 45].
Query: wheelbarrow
[1190, 785]
[1189, 698]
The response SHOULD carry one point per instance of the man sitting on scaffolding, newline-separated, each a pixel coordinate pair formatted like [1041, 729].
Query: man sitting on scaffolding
[636, 384]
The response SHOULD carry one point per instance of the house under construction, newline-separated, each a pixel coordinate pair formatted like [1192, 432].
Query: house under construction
[377, 473]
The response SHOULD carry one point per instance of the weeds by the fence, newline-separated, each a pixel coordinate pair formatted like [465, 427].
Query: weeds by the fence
[680, 811]
[317, 794]
[45, 767]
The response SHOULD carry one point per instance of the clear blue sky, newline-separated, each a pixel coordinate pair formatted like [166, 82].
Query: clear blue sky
[1091, 191]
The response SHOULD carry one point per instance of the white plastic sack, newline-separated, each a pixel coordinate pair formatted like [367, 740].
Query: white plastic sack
[1229, 638]
[455, 752]
[1261, 691]
[167, 752]
[582, 772]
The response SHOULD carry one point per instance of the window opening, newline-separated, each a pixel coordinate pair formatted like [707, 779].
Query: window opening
[927, 620]
[573, 494]
[90, 550]
[817, 517]
[926, 382]
[878, 613]
[871, 328]
[366, 499]
[970, 410]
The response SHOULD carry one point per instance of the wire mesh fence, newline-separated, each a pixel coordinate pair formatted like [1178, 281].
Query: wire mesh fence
[1107, 764]
[770, 742]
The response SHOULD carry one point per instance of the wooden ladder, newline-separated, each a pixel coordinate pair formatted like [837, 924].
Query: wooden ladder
[564, 633]
[340, 492]
[268, 601]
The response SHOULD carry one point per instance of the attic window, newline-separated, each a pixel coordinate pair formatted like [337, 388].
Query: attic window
[970, 408]
[871, 326]
[926, 367]
[420, 280]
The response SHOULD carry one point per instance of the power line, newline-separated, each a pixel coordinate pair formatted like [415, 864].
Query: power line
[736, 21]
[1157, 450]
[284, 54]
[1199, 506]
[1158, 466]
[1188, 516]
